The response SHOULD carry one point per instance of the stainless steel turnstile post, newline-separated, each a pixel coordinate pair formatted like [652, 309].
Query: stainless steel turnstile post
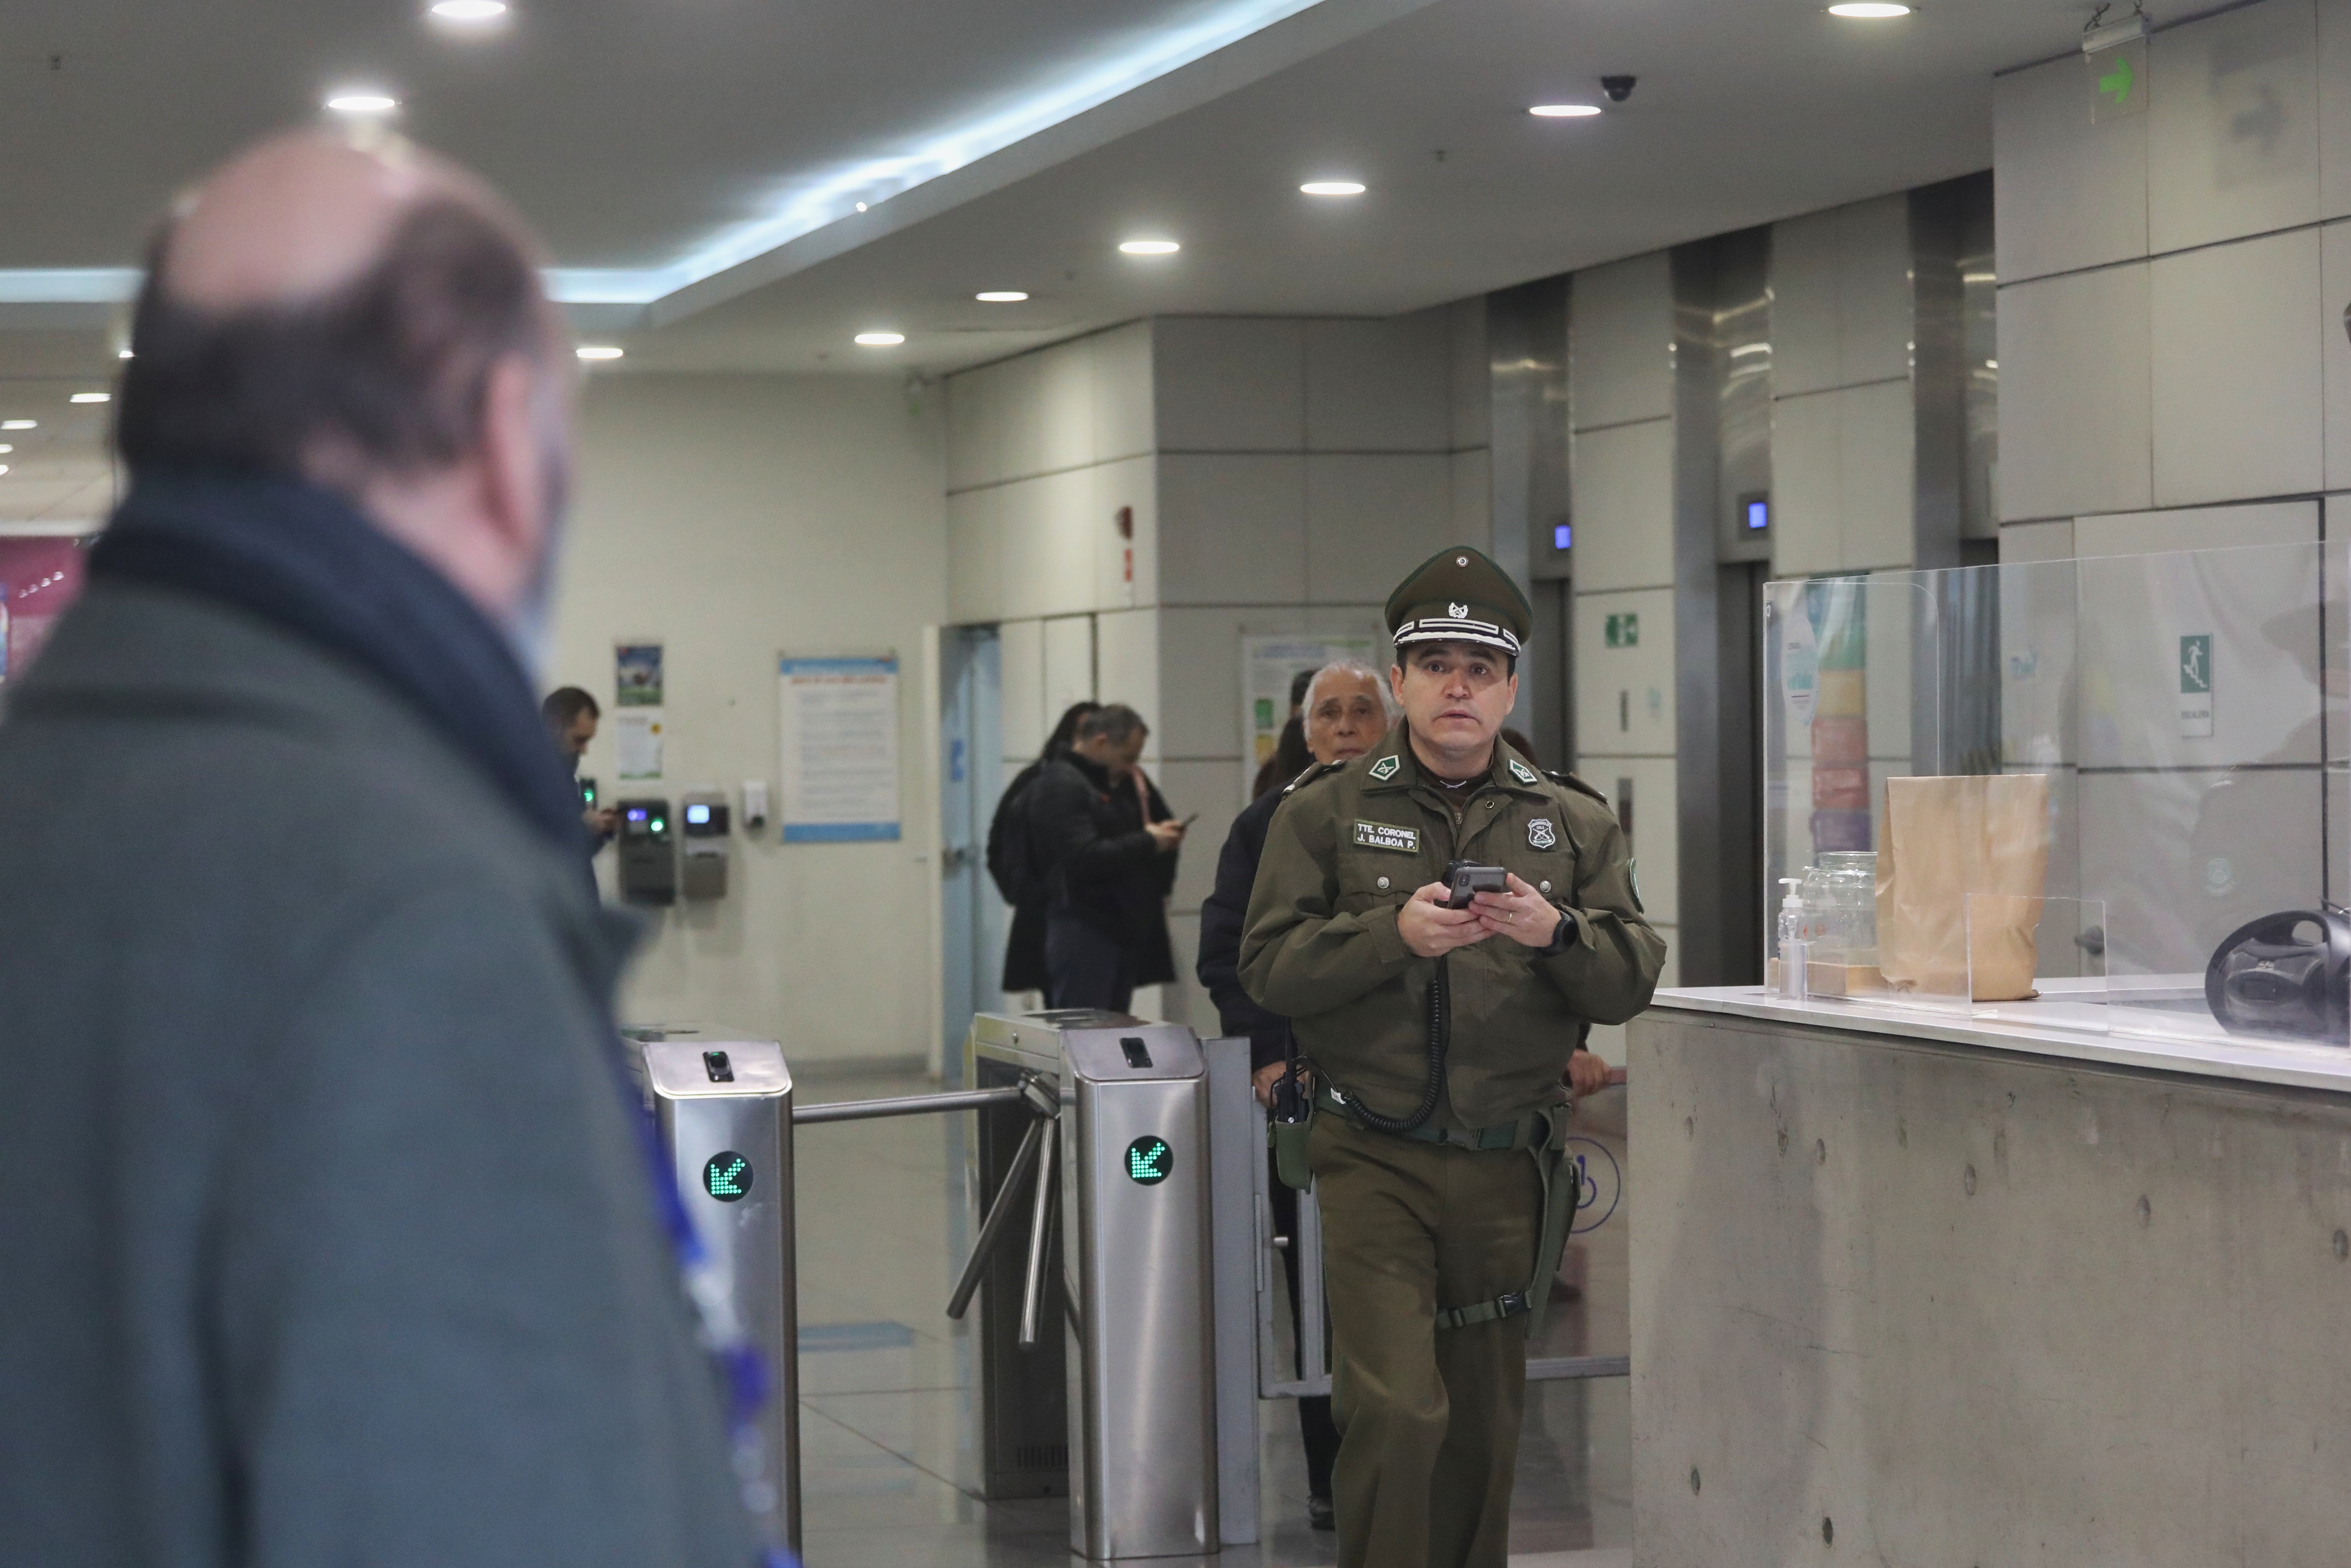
[726, 1112]
[1134, 1276]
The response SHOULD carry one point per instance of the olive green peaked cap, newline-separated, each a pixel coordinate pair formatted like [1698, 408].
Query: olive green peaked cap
[1457, 595]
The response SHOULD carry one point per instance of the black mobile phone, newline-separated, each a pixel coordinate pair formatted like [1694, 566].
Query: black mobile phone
[1466, 881]
[1189, 820]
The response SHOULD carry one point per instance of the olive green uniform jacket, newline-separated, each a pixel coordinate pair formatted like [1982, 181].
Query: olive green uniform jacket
[1353, 843]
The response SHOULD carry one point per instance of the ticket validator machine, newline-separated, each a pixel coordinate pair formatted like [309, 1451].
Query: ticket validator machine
[1119, 1406]
[706, 827]
[725, 1107]
[648, 853]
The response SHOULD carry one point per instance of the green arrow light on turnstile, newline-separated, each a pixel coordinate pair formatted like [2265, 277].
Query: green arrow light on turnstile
[2118, 82]
[727, 1177]
[1148, 1161]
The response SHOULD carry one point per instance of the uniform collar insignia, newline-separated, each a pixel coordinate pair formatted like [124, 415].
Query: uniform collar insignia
[1384, 769]
[1523, 773]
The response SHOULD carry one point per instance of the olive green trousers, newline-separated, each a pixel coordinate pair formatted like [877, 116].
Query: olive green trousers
[1428, 1418]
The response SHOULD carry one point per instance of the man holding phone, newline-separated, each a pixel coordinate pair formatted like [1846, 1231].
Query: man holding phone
[1106, 843]
[1440, 922]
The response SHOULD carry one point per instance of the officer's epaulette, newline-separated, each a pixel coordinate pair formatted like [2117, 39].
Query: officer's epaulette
[1310, 775]
[1573, 783]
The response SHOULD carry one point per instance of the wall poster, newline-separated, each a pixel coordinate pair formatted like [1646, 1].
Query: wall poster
[840, 731]
[637, 674]
[637, 743]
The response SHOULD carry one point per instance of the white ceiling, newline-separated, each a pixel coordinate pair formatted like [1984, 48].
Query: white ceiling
[634, 133]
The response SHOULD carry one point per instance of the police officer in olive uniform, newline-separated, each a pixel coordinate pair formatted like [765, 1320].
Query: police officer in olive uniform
[1437, 1039]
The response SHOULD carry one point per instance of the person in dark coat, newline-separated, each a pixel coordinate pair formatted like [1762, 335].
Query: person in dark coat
[1343, 718]
[1012, 860]
[329, 1235]
[1108, 844]
[1289, 755]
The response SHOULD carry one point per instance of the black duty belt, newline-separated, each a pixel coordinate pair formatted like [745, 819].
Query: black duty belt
[1527, 1131]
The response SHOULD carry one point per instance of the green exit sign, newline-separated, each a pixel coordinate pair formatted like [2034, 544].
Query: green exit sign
[1624, 631]
[1148, 1161]
[727, 1177]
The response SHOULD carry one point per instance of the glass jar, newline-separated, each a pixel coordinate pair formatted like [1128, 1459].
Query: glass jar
[1846, 882]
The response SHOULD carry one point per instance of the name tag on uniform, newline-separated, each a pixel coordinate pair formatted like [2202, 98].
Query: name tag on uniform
[1381, 836]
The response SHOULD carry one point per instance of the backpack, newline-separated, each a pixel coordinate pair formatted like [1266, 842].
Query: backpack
[1011, 859]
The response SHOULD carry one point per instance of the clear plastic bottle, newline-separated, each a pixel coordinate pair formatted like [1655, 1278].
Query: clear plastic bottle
[1794, 940]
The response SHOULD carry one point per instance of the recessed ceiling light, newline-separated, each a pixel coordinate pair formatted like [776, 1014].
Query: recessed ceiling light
[121, 353]
[1869, 10]
[1149, 247]
[3, 467]
[1566, 110]
[1332, 188]
[19, 424]
[861, 207]
[362, 103]
[880, 340]
[469, 10]
[598, 351]
[91, 397]
[6, 447]
[999, 297]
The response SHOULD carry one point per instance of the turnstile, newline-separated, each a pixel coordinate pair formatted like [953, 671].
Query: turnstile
[725, 1107]
[1120, 1405]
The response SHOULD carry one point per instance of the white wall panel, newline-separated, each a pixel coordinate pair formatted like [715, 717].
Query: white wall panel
[1370, 519]
[2074, 421]
[1657, 830]
[1226, 384]
[1186, 1001]
[1379, 386]
[2232, 125]
[1200, 670]
[1878, 441]
[974, 454]
[1807, 485]
[1122, 399]
[1020, 390]
[2068, 195]
[976, 589]
[2237, 399]
[1804, 274]
[2333, 107]
[1065, 403]
[2021, 542]
[2334, 347]
[1623, 482]
[1206, 787]
[1020, 647]
[1048, 544]
[2197, 528]
[1841, 296]
[1127, 667]
[1131, 482]
[1623, 695]
[1620, 335]
[1232, 529]
[1069, 664]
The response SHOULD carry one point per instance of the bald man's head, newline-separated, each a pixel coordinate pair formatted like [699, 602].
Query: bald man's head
[324, 307]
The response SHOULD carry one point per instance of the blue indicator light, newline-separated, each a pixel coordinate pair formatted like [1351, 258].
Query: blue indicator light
[1758, 515]
[1562, 537]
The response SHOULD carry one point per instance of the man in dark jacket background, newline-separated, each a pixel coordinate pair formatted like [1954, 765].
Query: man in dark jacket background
[329, 1236]
[1107, 844]
[1013, 864]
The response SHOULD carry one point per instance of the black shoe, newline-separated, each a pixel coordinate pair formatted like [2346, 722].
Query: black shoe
[1319, 1514]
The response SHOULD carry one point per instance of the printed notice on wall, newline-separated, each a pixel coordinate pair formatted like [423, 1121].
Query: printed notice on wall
[1269, 667]
[637, 743]
[841, 749]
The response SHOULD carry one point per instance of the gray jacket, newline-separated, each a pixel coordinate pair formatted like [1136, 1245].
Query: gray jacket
[324, 1236]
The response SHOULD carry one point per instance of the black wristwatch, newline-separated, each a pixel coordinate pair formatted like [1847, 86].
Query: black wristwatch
[1560, 938]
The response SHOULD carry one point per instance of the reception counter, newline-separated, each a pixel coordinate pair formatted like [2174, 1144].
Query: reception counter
[1936, 1289]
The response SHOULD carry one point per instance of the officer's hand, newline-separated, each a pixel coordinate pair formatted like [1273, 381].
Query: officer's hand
[1522, 914]
[1586, 1073]
[1268, 1075]
[1431, 930]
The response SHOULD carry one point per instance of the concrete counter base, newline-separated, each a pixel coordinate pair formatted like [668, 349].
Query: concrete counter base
[1913, 1301]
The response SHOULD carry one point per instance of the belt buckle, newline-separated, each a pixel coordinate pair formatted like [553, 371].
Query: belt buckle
[1512, 1302]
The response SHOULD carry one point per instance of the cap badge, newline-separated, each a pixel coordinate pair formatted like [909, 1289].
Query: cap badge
[1458, 611]
[1524, 775]
[1384, 769]
[1541, 834]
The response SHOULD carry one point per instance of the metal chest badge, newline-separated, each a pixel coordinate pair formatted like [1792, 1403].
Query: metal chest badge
[1540, 834]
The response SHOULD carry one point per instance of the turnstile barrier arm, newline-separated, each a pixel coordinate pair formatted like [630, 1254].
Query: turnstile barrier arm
[1040, 1224]
[991, 1229]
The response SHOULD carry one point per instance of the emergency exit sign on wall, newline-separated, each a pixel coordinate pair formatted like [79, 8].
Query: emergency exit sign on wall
[2196, 685]
[1624, 631]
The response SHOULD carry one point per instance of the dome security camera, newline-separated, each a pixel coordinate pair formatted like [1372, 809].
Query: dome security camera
[1618, 88]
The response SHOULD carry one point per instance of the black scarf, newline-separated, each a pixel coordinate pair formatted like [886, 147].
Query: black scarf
[304, 559]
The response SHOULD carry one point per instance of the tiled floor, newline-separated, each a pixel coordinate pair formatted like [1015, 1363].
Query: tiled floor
[888, 1457]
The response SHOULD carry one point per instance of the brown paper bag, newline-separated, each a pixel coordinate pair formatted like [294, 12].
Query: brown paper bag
[1946, 838]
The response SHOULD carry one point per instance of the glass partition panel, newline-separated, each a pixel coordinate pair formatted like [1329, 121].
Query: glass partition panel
[2148, 751]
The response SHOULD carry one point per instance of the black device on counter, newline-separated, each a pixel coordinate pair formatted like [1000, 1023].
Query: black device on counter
[2287, 975]
[648, 853]
[1465, 880]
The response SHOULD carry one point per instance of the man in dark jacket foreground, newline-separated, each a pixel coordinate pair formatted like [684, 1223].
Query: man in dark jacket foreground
[1107, 843]
[328, 1237]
